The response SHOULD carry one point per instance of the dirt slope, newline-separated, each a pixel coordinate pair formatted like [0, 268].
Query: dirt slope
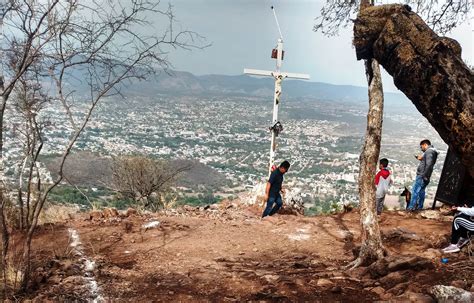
[227, 254]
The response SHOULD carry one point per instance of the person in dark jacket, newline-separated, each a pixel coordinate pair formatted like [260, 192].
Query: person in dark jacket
[423, 174]
[272, 191]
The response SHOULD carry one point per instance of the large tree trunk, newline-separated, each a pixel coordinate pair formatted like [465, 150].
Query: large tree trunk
[426, 67]
[371, 248]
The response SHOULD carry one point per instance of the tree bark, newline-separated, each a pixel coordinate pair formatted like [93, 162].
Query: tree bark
[426, 67]
[372, 248]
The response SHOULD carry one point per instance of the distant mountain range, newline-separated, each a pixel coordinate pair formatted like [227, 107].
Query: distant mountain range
[185, 83]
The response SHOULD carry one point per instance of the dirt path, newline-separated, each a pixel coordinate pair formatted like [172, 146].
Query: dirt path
[236, 257]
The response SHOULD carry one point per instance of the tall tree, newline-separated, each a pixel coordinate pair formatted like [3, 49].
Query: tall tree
[84, 51]
[336, 15]
[372, 248]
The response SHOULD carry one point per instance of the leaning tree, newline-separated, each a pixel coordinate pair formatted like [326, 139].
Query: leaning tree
[336, 15]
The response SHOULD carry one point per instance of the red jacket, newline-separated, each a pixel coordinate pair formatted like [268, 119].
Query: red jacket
[384, 173]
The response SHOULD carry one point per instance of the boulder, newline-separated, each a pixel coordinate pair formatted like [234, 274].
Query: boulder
[413, 297]
[445, 294]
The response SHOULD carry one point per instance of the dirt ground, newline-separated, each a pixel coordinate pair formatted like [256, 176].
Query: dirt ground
[228, 254]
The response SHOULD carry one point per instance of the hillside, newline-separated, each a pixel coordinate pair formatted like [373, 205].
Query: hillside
[185, 83]
[178, 83]
[225, 253]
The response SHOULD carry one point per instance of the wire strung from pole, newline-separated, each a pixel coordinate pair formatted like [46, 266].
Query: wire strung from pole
[278, 24]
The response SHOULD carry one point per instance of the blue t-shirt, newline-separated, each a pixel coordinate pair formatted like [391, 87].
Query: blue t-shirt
[276, 180]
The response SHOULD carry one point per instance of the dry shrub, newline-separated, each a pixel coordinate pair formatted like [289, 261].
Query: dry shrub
[12, 215]
[54, 213]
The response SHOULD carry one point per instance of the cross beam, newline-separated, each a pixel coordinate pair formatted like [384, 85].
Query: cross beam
[276, 127]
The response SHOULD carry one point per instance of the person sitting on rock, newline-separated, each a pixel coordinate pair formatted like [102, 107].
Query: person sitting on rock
[462, 228]
[272, 191]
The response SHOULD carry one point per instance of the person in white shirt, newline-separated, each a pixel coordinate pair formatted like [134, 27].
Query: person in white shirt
[463, 227]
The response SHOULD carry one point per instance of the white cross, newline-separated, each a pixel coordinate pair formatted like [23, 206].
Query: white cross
[279, 76]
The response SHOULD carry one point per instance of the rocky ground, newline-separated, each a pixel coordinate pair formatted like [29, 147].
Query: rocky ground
[226, 253]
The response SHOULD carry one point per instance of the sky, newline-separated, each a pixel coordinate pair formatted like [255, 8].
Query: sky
[243, 33]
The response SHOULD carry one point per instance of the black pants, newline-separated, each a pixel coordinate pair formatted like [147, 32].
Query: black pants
[462, 225]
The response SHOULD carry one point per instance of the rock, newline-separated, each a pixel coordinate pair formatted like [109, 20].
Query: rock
[358, 272]
[214, 206]
[393, 279]
[378, 290]
[325, 283]
[413, 297]
[408, 262]
[271, 278]
[110, 213]
[127, 226]
[300, 282]
[399, 289]
[445, 294]
[95, 215]
[430, 214]
[189, 208]
[255, 250]
[151, 224]
[75, 280]
[431, 254]
[131, 212]
[368, 283]
[336, 289]
[401, 233]
[378, 268]
[459, 284]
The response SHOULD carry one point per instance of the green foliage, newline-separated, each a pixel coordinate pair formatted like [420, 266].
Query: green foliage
[200, 200]
[326, 205]
[68, 195]
[101, 197]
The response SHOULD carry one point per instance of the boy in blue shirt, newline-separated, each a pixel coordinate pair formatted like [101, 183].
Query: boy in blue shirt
[272, 191]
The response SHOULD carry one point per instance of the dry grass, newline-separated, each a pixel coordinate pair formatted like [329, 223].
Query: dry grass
[55, 213]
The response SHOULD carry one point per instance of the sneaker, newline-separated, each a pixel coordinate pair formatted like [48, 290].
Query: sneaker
[452, 248]
[462, 242]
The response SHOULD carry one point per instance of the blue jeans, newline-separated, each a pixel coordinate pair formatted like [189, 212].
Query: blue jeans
[418, 193]
[270, 209]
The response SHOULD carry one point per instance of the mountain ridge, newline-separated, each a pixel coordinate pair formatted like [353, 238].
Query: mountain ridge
[185, 83]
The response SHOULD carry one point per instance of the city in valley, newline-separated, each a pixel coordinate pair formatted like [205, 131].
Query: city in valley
[228, 136]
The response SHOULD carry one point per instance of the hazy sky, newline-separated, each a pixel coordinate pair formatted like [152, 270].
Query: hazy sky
[243, 34]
